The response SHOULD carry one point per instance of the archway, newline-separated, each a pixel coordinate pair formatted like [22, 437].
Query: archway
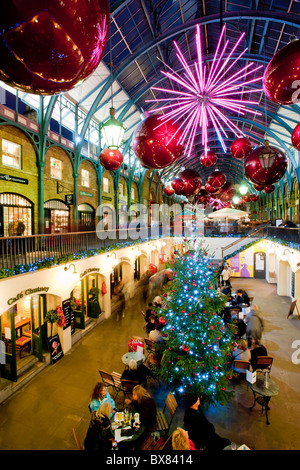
[284, 278]
[86, 215]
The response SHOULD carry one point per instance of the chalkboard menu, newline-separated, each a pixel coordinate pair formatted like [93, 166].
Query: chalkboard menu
[69, 315]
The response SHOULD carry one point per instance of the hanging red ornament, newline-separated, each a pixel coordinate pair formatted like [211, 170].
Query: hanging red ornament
[228, 191]
[217, 179]
[191, 182]
[156, 144]
[295, 138]
[177, 185]
[211, 190]
[254, 197]
[240, 148]
[208, 159]
[111, 159]
[281, 73]
[49, 46]
[265, 165]
[269, 189]
[201, 196]
[169, 191]
[258, 187]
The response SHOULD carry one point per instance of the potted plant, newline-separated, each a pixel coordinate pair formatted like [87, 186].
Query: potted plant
[52, 317]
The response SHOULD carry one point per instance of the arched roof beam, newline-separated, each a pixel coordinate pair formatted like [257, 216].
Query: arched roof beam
[276, 17]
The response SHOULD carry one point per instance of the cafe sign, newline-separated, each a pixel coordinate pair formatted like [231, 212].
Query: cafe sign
[21, 294]
[89, 270]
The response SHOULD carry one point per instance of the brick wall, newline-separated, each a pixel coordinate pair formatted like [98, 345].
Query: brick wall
[28, 168]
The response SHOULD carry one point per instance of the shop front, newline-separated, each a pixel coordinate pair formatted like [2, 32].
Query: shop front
[16, 215]
[23, 334]
[57, 216]
[87, 298]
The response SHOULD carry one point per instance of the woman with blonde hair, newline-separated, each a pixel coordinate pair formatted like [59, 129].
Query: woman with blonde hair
[99, 435]
[143, 403]
[181, 441]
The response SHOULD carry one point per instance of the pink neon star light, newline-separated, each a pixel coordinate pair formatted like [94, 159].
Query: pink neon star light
[206, 95]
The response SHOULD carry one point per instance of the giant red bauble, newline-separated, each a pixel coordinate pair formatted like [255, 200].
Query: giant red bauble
[169, 191]
[265, 165]
[177, 185]
[208, 158]
[217, 179]
[156, 144]
[281, 74]
[49, 46]
[191, 182]
[295, 138]
[228, 191]
[211, 190]
[201, 196]
[111, 159]
[269, 189]
[240, 148]
[258, 187]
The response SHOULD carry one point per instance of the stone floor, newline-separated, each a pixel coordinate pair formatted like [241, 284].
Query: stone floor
[42, 414]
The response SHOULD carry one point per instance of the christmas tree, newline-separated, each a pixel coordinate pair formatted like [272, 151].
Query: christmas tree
[197, 347]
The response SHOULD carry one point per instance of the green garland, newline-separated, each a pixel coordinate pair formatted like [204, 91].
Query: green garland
[56, 261]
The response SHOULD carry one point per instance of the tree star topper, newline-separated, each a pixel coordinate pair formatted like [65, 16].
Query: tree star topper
[206, 95]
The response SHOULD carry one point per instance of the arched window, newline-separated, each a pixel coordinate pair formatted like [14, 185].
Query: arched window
[16, 215]
[57, 216]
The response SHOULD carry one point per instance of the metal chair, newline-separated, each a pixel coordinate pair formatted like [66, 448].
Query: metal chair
[127, 386]
[237, 364]
[162, 424]
[151, 444]
[264, 362]
[150, 346]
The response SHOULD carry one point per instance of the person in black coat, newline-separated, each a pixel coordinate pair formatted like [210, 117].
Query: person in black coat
[257, 349]
[136, 373]
[99, 435]
[201, 431]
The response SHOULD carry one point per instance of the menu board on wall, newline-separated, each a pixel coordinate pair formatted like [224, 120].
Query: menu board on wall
[55, 348]
[69, 315]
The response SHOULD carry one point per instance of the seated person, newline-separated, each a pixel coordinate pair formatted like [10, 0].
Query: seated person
[181, 441]
[201, 431]
[227, 289]
[149, 311]
[157, 301]
[142, 403]
[99, 435]
[257, 349]
[242, 327]
[155, 335]
[241, 298]
[136, 373]
[99, 396]
[241, 354]
[151, 324]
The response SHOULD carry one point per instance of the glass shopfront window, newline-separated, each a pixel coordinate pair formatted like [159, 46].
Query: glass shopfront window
[57, 217]
[16, 214]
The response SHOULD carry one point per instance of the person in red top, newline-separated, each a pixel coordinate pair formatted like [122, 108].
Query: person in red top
[181, 441]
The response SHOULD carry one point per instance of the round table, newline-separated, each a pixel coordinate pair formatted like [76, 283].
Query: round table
[265, 394]
[126, 358]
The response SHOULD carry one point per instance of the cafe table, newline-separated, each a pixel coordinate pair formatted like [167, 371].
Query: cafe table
[127, 428]
[262, 394]
[126, 358]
